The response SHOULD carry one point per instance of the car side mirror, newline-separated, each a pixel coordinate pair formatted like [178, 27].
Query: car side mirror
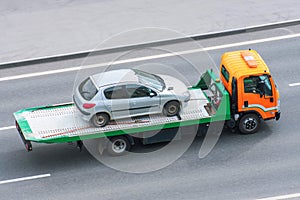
[152, 94]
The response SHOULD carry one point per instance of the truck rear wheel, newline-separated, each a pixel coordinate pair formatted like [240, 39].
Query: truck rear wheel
[249, 124]
[118, 146]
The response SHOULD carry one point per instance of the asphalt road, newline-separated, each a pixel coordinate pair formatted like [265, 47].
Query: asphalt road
[265, 164]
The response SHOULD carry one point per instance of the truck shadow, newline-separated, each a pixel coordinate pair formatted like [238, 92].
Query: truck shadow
[230, 144]
[60, 157]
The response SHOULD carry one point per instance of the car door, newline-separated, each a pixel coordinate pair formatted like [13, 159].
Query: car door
[142, 100]
[117, 101]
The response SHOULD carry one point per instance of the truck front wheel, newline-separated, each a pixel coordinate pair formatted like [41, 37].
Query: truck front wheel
[118, 146]
[249, 124]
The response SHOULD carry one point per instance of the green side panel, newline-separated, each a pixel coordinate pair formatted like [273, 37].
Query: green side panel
[23, 124]
[204, 81]
[223, 111]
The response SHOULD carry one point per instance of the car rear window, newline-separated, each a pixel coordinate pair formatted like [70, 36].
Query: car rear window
[87, 89]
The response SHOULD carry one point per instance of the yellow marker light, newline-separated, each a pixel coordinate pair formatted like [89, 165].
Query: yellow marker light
[249, 59]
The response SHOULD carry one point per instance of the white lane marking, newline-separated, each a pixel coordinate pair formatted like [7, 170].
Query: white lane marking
[289, 196]
[7, 128]
[283, 37]
[25, 179]
[148, 57]
[294, 84]
[40, 73]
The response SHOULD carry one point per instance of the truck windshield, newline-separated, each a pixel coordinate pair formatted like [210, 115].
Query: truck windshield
[150, 79]
[267, 85]
[87, 89]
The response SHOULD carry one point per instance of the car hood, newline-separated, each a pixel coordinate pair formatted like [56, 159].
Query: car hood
[176, 87]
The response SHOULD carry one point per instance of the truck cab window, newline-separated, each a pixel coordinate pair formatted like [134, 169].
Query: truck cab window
[258, 85]
[225, 73]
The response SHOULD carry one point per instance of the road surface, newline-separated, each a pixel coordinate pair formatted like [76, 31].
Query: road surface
[255, 166]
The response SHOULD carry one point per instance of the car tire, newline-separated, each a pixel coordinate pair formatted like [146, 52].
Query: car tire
[100, 119]
[249, 124]
[118, 146]
[171, 108]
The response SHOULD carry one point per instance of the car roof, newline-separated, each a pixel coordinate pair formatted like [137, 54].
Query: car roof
[113, 77]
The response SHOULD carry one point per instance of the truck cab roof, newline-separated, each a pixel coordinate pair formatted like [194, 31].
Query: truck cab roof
[244, 63]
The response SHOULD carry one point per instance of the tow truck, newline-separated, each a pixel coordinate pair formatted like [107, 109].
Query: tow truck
[243, 96]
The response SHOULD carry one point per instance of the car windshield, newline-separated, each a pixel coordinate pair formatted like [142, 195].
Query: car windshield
[150, 80]
[87, 89]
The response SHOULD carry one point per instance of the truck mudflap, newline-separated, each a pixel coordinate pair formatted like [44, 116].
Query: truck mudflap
[27, 143]
[277, 115]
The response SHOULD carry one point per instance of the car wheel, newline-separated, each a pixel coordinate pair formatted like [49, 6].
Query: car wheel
[171, 108]
[249, 124]
[118, 146]
[100, 120]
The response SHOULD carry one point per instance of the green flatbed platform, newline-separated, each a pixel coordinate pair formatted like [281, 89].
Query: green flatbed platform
[63, 123]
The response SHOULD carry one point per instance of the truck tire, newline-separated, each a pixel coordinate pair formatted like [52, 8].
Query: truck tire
[171, 108]
[118, 146]
[100, 119]
[249, 124]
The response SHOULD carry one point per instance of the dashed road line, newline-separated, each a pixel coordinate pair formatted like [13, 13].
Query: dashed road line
[7, 128]
[25, 178]
[294, 84]
[289, 196]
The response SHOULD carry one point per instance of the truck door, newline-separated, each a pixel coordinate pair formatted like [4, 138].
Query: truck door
[259, 95]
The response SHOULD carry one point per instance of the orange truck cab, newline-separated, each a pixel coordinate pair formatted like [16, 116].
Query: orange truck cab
[253, 92]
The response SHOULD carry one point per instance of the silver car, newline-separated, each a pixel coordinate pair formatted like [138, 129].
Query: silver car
[128, 93]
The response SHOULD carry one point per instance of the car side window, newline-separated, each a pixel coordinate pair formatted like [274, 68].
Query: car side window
[136, 91]
[116, 92]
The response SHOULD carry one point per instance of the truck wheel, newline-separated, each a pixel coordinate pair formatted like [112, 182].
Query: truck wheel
[171, 108]
[249, 124]
[118, 146]
[100, 119]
